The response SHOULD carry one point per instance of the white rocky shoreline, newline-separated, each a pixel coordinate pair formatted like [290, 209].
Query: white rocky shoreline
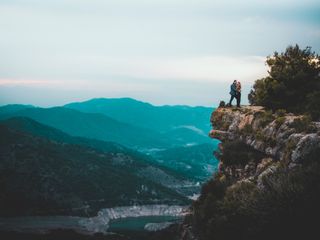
[92, 225]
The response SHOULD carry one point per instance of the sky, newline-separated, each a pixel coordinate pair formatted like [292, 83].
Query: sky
[161, 51]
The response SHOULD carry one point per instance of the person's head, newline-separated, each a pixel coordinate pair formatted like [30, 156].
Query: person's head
[235, 82]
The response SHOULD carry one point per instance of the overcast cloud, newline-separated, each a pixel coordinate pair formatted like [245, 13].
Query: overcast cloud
[161, 51]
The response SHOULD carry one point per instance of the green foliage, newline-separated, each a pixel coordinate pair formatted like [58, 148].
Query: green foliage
[247, 129]
[272, 142]
[290, 146]
[293, 83]
[281, 112]
[222, 104]
[279, 121]
[260, 136]
[238, 153]
[312, 105]
[302, 124]
[285, 208]
[266, 117]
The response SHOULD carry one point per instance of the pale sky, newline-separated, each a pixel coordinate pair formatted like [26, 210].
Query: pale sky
[160, 51]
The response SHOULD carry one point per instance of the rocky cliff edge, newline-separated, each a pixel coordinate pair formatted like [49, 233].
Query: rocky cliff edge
[282, 137]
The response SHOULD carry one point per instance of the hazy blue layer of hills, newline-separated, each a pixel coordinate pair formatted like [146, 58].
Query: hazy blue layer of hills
[39, 176]
[159, 118]
[12, 108]
[35, 128]
[184, 124]
[126, 121]
[96, 126]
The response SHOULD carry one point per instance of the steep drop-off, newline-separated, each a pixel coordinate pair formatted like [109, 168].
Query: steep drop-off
[268, 183]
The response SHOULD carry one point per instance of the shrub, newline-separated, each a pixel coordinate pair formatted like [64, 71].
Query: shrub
[238, 153]
[292, 84]
[266, 117]
[260, 136]
[281, 112]
[279, 121]
[272, 142]
[247, 129]
[312, 105]
[286, 208]
[222, 104]
[302, 124]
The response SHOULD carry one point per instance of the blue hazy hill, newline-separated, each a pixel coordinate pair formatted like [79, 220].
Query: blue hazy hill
[30, 126]
[91, 125]
[158, 118]
[12, 108]
[126, 121]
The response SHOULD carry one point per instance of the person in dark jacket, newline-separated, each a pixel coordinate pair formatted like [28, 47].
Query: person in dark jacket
[233, 92]
[238, 93]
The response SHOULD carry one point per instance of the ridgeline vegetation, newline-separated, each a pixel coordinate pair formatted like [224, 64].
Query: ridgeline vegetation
[283, 201]
[293, 83]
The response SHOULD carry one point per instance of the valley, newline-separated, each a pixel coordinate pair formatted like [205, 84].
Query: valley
[64, 166]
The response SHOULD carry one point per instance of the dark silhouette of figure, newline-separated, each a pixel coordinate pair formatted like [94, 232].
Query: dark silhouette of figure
[233, 92]
[238, 93]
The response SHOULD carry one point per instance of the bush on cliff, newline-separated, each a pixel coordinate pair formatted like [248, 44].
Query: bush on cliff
[285, 208]
[293, 83]
[238, 153]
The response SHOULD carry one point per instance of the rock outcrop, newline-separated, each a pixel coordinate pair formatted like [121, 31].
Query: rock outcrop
[268, 170]
[281, 137]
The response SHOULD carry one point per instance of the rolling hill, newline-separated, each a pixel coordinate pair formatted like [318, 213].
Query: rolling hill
[163, 119]
[92, 125]
[42, 177]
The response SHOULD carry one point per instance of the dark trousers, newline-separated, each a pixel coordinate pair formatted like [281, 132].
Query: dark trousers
[238, 97]
[231, 99]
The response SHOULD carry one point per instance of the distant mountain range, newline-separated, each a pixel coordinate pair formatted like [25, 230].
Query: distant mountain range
[89, 125]
[126, 121]
[145, 115]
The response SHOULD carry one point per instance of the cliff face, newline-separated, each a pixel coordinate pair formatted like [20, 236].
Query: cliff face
[281, 137]
[267, 185]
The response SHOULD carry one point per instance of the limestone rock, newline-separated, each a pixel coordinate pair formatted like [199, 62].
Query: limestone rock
[272, 135]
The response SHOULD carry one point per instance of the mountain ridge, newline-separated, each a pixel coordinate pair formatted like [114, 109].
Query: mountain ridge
[132, 123]
[90, 125]
[149, 116]
[60, 178]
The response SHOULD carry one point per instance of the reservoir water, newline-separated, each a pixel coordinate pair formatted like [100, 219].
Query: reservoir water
[144, 217]
[141, 223]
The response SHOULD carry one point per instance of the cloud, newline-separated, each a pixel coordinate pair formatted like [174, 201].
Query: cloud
[198, 69]
[187, 50]
[26, 82]
[102, 68]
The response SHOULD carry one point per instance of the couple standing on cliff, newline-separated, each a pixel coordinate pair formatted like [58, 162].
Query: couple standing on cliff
[235, 92]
